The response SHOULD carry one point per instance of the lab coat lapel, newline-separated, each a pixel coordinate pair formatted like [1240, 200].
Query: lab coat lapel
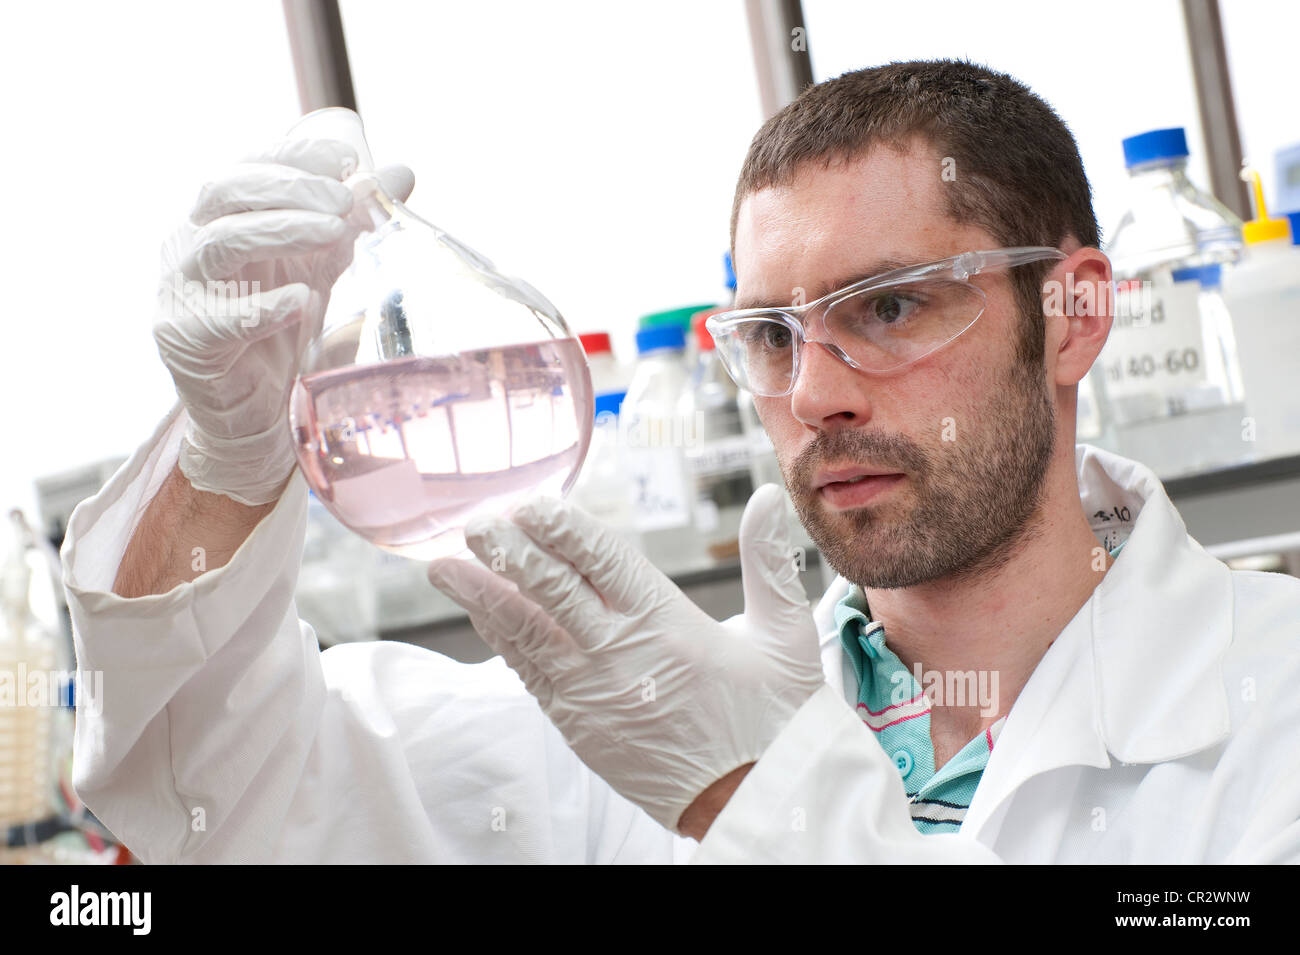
[1136, 672]
[1054, 722]
[1160, 632]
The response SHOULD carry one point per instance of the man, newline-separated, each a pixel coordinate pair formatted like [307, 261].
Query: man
[1135, 702]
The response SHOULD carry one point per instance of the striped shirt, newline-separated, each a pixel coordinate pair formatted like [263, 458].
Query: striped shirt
[896, 707]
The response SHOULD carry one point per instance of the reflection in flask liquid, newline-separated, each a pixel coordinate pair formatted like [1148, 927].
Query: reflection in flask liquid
[406, 451]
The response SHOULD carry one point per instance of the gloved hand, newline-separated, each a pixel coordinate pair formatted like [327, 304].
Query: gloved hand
[650, 691]
[245, 282]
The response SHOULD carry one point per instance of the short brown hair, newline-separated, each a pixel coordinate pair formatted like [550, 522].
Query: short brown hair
[1018, 171]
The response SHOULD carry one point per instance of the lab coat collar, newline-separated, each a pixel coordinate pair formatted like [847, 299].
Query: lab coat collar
[1162, 621]
[1136, 673]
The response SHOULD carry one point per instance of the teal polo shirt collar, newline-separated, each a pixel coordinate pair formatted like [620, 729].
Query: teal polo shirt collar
[893, 705]
[895, 708]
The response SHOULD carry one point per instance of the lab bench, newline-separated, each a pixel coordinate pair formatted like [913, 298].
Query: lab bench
[1241, 505]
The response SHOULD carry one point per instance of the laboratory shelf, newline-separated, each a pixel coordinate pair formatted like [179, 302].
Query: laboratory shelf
[1243, 502]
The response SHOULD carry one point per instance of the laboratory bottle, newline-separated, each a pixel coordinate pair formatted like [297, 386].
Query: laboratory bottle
[680, 318]
[654, 438]
[604, 488]
[1167, 377]
[717, 460]
[1263, 293]
[765, 468]
[29, 715]
[439, 388]
[607, 375]
[763, 465]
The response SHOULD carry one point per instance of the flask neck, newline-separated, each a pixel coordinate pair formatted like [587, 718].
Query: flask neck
[372, 206]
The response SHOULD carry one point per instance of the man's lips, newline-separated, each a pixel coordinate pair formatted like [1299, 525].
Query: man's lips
[850, 487]
[849, 475]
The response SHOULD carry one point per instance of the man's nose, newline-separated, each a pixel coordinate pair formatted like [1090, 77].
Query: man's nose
[827, 392]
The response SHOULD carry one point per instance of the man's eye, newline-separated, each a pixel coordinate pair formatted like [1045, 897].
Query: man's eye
[777, 336]
[890, 308]
[771, 336]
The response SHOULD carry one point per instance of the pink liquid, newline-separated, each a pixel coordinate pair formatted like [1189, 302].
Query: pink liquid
[407, 451]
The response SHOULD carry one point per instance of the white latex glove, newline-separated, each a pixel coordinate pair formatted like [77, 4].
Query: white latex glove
[245, 281]
[650, 691]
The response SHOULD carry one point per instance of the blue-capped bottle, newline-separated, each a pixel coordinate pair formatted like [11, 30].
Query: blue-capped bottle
[605, 488]
[717, 460]
[655, 438]
[1167, 379]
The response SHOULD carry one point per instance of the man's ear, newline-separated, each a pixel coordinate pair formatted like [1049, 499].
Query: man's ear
[1078, 306]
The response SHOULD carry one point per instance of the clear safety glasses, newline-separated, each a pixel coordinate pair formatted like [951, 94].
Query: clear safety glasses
[880, 324]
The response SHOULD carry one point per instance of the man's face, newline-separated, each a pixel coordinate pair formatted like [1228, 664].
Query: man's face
[965, 434]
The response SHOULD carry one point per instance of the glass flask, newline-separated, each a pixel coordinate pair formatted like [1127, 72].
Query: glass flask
[438, 389]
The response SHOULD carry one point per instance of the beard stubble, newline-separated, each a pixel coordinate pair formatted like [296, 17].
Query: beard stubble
[975, 497]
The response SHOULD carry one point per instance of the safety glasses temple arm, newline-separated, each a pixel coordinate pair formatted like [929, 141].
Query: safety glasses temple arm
[1007, 258]
[957, 266]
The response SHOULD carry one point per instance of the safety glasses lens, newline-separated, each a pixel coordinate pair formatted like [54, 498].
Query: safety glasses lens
[759, 354]
[882, 328]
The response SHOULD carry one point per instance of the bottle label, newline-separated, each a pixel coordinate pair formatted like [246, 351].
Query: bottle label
[653, 447]
[721, 456]
[659, 489]
[1156, 350]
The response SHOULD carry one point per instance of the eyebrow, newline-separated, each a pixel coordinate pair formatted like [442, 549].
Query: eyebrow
[872, 269]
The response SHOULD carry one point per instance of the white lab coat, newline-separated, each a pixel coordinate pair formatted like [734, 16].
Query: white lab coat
[1163, 725]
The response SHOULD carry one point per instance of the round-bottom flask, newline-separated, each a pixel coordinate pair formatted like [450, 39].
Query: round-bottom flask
[438, 389]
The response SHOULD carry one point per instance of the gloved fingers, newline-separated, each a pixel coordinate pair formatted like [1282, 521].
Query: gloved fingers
[467, 587]
[769, 564]
[322, 157]
[398, 181]
[507, 621]
[548, 580]
[517, 628]
[254, 186]
[199, 316]
[622, 577]
[224, 246]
